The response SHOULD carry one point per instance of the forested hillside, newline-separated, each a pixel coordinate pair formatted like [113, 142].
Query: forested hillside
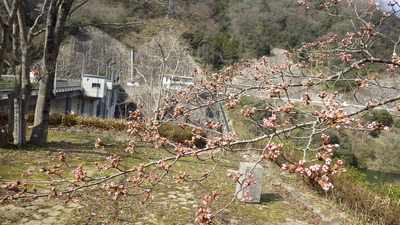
[220, 32]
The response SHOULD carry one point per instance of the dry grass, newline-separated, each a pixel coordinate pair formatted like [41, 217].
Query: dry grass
[373, 208]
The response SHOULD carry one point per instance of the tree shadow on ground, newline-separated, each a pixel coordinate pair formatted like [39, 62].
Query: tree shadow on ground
[271, 197]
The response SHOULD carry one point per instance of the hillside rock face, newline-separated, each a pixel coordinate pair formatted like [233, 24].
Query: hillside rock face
[92, 51]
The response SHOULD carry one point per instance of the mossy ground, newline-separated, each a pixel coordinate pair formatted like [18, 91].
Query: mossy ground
[175, 203]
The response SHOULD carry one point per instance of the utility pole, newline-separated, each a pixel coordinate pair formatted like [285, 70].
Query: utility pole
[83, 63]
[98, 66]
[132, 60]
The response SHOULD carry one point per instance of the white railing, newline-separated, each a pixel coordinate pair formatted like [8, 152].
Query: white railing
[61, 85]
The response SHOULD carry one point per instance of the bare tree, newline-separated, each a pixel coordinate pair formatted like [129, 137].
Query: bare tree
[22, 53]
[57, 14]
[164, 56]
[6, 22]
[23, 34]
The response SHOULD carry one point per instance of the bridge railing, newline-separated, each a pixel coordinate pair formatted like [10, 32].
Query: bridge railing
[61, 85]
[6, 86]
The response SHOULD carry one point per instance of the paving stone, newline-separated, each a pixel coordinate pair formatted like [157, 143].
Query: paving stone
[33, 222]
[291, 222]
[301, 199]
[54, 213]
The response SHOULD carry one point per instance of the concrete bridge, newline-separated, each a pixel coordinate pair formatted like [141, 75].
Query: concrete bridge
[91, 96]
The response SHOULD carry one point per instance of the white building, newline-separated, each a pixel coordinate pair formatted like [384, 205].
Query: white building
[177, 82]
[98, 97]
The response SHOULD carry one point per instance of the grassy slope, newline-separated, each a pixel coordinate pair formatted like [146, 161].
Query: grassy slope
[172, 200]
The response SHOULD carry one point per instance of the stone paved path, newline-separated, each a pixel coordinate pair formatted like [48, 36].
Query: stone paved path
[40, 211]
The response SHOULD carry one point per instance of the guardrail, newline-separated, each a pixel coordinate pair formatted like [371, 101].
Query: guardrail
[61, 85]
[6, 86]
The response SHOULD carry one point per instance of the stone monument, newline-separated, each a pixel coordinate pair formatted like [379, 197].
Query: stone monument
[254, 190]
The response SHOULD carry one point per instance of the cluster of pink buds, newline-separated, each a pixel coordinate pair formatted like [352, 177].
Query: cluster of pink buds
[135, 124]
[346, 57]
[12, 186]
[115, 189]
[246, 197]
[61, 157]
[232, 104]
[319, 172]
[305, 3]
[361, 83]
[15, 188]
[274, 151]
[70, 199]
[131, 146]
[80, 174]
[335, 115]
[209, 198]
[148, 196]
[29, 174]
[372, 104]
[56, 170]
[271, 122]
[213, 125]
[246, 111]
[204, 216]
[236, 177]
[54, 193]
[397, 107]
[115, 159]
[306, 98]
[276, 91]
[287, 108]
[134, 127]
[164, 165]
[136, 114]
[181, 150]
[323, 94]
[364, 83]
[349, 39]
[180, 178]
[248, 181]
[377, 126]
[136, 179]
[221, 141]
[178, 110]
[368, 29]
[151, 177]
[326, 5]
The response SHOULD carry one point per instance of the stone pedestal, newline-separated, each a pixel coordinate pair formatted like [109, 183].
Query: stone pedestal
[253, 189]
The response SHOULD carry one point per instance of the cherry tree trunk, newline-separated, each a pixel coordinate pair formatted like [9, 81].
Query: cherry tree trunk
[55, 25]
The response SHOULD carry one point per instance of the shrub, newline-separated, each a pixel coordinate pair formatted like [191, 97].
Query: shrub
[382, 116]
[56, 119]
[180, 135]
[98, 123]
